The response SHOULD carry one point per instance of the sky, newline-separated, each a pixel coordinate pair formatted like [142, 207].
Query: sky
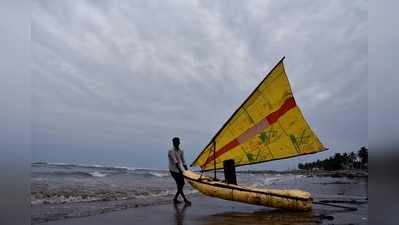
[113, 81]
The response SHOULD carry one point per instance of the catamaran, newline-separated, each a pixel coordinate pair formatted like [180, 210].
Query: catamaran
[267, 126]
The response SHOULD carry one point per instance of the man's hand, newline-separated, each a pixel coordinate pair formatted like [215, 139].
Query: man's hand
[185, 167]
[178, 167]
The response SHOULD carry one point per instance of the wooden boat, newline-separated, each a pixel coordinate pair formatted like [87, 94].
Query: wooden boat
[296, 200]
[267, 126]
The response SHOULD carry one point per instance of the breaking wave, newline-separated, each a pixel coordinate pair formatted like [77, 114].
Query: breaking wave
[99, 171]
[274, 180]
[156, 174]
[98, 174]
[87, 166]
[74, 173]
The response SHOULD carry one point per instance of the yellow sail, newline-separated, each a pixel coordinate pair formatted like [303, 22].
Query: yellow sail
[267, 126]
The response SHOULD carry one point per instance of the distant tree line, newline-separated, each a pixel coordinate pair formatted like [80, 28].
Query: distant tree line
[340, 161]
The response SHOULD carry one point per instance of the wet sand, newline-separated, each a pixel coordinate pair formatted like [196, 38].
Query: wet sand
[343, 188]
[211, 211]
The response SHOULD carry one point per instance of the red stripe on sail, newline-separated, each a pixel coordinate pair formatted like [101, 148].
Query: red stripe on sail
[271, 118]
[274, 116]
[232, 144]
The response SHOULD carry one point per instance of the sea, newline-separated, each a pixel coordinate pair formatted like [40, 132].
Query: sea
[64, 190]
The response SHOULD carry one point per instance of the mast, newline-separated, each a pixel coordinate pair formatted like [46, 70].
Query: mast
[214, 158]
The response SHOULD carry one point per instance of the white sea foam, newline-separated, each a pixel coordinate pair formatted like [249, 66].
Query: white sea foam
[273, 180]
[188, 192]
[159, 174]
[165, 193]
[98, 174]
[62, 199]
[99, 166]
[159, 194]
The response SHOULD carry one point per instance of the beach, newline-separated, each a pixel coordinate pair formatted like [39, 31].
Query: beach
[82, 194]
[210, 211]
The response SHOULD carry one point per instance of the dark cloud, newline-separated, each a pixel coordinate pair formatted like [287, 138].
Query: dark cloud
[113, 81]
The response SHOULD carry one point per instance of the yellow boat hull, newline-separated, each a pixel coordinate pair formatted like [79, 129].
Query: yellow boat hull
[284, 199]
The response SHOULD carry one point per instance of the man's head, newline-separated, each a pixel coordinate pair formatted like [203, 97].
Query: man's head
[176, 142]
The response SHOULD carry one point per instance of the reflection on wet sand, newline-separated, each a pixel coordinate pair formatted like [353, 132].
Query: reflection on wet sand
[180, 213]
[269, 217]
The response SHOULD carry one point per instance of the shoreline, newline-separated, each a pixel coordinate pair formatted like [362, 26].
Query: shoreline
[340, 173]
[316, 172]
[350, 173]
[347, 188]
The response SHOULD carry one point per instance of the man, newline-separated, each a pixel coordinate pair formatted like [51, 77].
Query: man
[176, 159]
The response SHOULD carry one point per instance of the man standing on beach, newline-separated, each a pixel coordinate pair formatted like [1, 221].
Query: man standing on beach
[176, 159]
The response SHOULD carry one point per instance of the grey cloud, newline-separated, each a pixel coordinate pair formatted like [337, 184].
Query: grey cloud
[113, 81]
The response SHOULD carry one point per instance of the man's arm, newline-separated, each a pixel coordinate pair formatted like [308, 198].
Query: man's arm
[178, 167]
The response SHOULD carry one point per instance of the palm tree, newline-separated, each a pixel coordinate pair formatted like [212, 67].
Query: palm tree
[364, 156]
